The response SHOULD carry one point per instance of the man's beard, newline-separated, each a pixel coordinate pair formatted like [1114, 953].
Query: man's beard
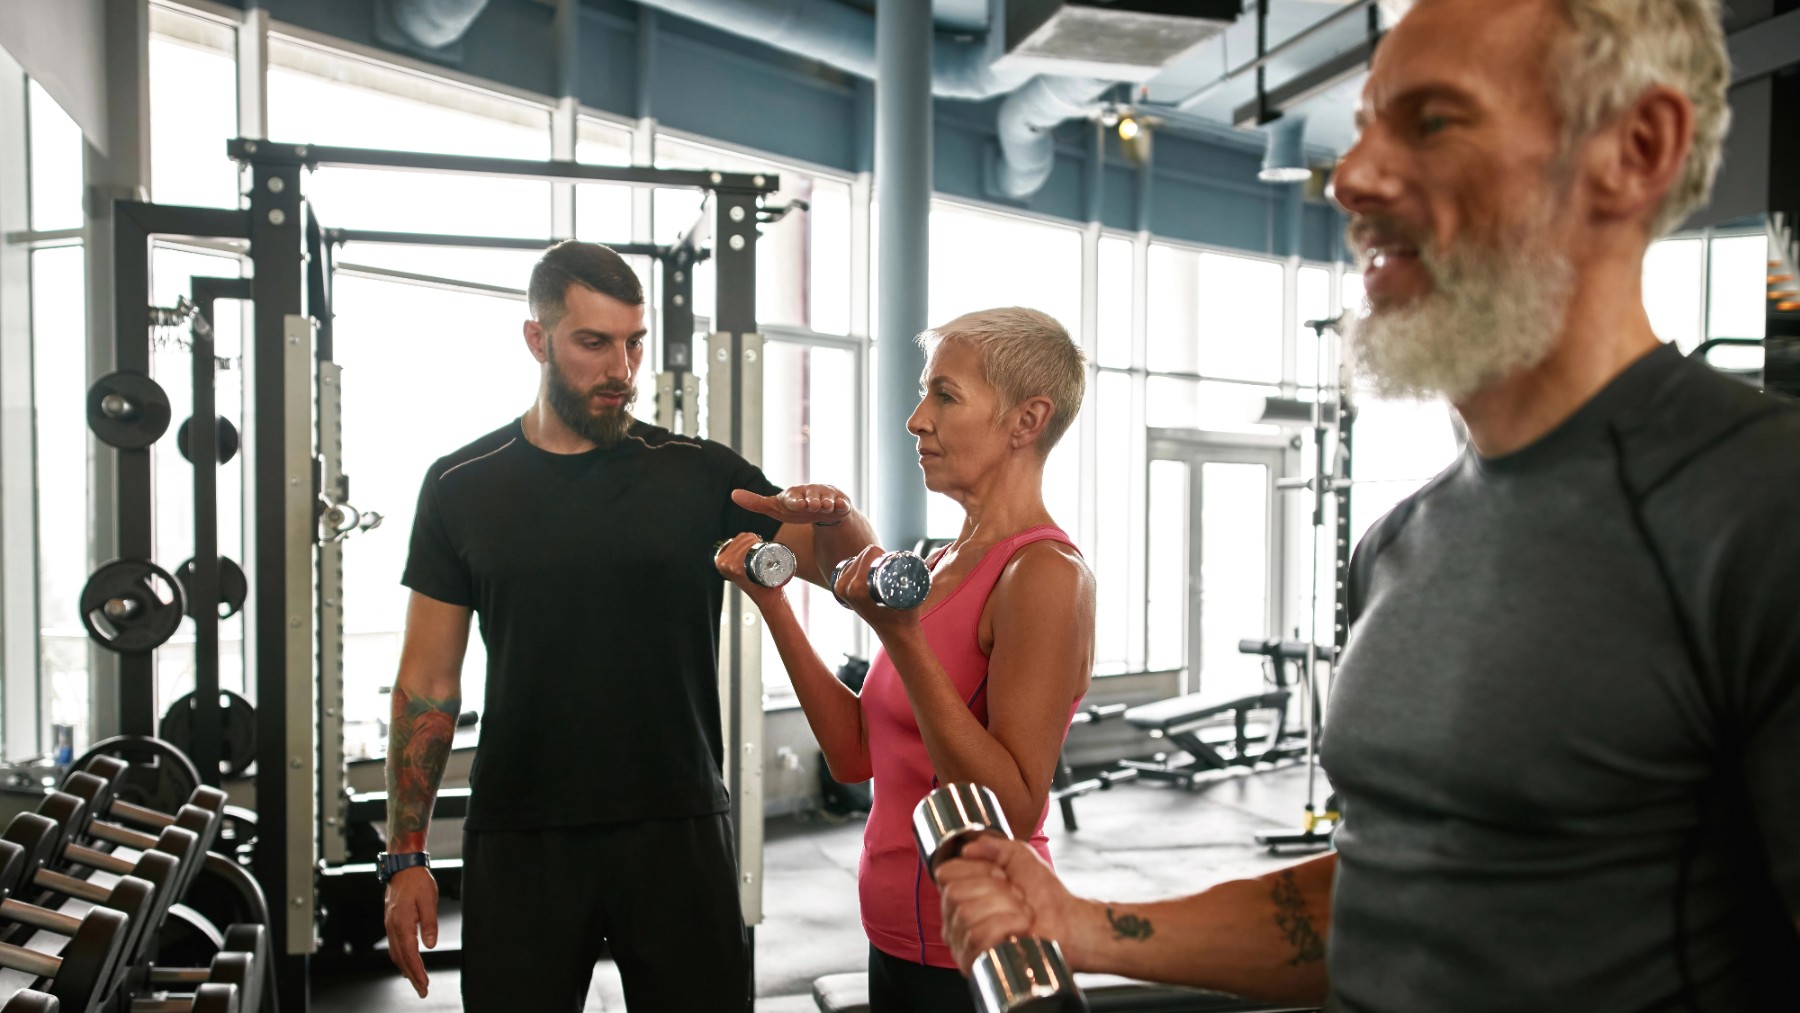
[1493, 309]
[604, 428]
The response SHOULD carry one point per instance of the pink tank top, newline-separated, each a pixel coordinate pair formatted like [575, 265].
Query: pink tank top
[900, 909]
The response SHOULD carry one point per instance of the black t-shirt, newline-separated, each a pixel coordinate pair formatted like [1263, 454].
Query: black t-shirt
[593, 580]
[1566, 733]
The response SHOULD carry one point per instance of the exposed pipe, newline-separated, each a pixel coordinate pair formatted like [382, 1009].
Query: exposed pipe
[839, 35]
[1027, 120]
[434, 24]
[843, 37]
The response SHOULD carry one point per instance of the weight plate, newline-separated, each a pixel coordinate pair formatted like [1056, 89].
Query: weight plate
[161, 776]
[237, 730]
[225, 435]
[132, 606]
[234, 587]
[127, 410]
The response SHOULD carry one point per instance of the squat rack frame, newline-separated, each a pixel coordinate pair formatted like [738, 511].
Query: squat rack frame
[293, 636]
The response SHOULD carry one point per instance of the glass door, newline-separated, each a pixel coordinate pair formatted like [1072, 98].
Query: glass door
[1215, 555]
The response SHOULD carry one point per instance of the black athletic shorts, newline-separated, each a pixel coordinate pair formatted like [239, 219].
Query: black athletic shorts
[898, 985]
[661, 894]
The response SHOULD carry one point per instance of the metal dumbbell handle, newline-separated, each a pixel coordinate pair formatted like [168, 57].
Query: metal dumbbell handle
[19, 958]
[80, 889]
[138, 814]
[112, 833]
[39, 917]
[81, 855]
[180, 975]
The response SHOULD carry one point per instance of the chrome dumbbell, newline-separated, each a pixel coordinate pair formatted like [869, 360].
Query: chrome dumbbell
[770, 564]
[1022, 974]
[897, 580]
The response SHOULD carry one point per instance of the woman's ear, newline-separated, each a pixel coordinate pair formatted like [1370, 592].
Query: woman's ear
[1030, 417]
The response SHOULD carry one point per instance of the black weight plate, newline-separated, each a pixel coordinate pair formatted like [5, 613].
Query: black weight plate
[225, 437]
[147, 416]
[214, 997]
[237, 730]
[135, 899]
[154, 610]
[13, 868]
[161, 777]
[90, 959]
[234, 587]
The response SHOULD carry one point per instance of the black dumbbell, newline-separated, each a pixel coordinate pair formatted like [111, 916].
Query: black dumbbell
[99, 796]
[114, 771]
[242, 960]
[897, 580]
[30, 842]
[87, 965]
[770, 564]
[26, 1000]
[133, 900]
[165, 867]
[209, 998]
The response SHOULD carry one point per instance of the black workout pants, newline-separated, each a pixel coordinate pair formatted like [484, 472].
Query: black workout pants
[897, 985]
[538, 904]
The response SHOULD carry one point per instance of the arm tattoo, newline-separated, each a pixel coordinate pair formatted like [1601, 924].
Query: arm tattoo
[1293, 921]
[418, 750]
[1129, 926]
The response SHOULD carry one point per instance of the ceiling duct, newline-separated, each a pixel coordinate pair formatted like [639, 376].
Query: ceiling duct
[1047, 73]
[432, 28]
[1122, 40]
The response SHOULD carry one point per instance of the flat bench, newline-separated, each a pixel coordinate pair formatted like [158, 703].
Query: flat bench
[1106, 993]
[1186, 721]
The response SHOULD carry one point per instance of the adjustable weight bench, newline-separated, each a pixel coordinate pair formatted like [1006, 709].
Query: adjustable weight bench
[1106, 993]
[1185, 721]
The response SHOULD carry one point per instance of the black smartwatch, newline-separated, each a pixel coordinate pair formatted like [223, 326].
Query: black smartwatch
[387, 865]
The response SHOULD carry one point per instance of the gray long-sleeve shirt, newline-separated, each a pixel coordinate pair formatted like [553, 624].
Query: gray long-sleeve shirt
[1566, 732]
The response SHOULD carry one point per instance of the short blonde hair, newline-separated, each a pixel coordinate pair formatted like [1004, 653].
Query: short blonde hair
[1024, 353]
[1615, 50]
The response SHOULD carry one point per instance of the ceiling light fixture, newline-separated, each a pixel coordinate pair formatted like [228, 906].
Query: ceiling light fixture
[1284, 161]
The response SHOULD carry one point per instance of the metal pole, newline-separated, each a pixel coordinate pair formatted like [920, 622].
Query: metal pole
[122, 171]
[903, 178]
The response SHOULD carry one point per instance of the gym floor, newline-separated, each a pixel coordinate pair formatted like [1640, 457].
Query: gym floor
[1136, 842]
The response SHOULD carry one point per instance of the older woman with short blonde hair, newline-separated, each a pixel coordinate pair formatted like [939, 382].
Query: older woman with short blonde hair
[978, 683]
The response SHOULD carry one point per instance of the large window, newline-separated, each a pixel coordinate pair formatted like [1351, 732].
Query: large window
[1709, 286]
[982, 260]
[322, 97]
[59, 387]
[193, 94]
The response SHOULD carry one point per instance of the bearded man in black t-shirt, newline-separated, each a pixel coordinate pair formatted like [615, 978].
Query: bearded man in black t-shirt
[583, 539]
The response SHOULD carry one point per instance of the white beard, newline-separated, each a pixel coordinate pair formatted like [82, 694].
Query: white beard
[1492, 311]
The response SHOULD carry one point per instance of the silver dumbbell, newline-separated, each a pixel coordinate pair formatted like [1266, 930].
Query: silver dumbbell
[1022, 974]
[897, 580]
[770, 564]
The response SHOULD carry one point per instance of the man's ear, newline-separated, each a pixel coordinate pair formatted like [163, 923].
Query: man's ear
[536, 339]
[1030, 417]
[1633, 162]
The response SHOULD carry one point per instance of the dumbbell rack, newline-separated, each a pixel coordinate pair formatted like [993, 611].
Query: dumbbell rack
[294, 628]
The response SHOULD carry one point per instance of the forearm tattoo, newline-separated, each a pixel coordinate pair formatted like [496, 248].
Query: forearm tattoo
[1129, 926]
[1294, 922]
[418, 751]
